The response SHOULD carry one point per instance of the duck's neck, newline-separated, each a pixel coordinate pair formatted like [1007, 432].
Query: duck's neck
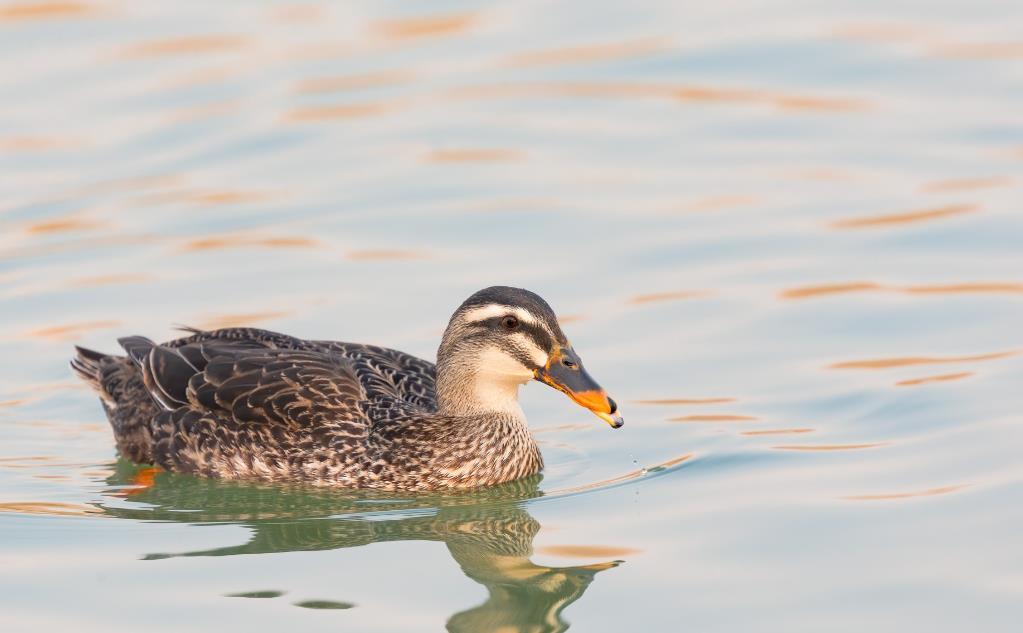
[478, 402]
[478, 388]
[478, 398]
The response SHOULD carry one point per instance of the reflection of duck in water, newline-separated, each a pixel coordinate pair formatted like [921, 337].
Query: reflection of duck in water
[488, 534]
[245, 403]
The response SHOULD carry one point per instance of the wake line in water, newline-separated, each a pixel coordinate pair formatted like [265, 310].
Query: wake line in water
[648, 472]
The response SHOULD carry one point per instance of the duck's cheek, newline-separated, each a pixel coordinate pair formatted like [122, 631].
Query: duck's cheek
[497, 363]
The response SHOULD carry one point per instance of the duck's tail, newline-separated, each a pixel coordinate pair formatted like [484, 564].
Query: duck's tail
[87, 364]
[130, 409]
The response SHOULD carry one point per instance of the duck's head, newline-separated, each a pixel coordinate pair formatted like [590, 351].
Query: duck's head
[502, 337]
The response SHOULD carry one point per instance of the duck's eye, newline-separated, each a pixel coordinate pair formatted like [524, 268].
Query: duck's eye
[509, 322]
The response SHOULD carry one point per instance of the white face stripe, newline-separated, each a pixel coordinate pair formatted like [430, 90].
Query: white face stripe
[491, 310]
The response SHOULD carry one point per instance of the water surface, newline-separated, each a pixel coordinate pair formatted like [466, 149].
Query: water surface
[786, 237]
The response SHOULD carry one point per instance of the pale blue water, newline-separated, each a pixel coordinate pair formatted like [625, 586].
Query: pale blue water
[800, 223]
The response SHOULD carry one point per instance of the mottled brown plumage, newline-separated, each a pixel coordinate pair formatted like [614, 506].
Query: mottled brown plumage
[242, 403]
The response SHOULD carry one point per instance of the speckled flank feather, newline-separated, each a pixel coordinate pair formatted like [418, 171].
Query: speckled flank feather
[247, 403]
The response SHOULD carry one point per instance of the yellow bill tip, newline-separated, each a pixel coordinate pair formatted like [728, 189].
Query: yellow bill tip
[615, 419]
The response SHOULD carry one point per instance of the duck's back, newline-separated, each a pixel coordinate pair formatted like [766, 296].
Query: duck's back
[243, 402]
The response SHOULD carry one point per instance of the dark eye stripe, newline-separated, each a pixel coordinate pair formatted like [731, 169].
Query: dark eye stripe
[534, 331]
[488, 324]
[538, 335]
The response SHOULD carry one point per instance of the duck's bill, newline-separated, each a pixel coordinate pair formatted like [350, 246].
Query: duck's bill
[578, 385]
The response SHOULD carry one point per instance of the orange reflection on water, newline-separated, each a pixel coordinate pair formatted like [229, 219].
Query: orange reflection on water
[28, 461]
[978, 287]
[309, 114]
[921, 215]
[52, 477]
[239, 319]
[685, 401]
[885, 363]
[359, 81]
[427, 26]
[819, 104]
[46, 388]
[668, 296]
[829, 289]
[778, 432]
[52, 508]
[713, 418]
[187, 45]
[44, 10]
[227, 197]
[805, 292]
[828, 447]
[706, 93]
[33, 143]
[930, 492]
[587, 551]
[245, 241]
[780, 101]
[473, 155]
[39, 424]
[205, 197]
[935, 44]
[929, 379]
[673, 92]
[98, 473]
[966, 184]
[585, 53]
[385, 255]
[716, 203]
[64, 225]
[571, 318]
[71, 331]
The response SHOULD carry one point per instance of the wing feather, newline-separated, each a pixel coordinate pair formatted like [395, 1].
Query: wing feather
[293, 389]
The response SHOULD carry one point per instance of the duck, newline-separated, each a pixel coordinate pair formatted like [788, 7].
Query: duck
[250, 404]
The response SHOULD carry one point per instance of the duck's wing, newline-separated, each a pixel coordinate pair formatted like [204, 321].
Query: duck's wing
[391, 372]
[288, 388]
[235, 409]
[382, 371]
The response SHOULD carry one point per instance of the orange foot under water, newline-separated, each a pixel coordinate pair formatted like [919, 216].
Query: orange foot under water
[143, 480]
